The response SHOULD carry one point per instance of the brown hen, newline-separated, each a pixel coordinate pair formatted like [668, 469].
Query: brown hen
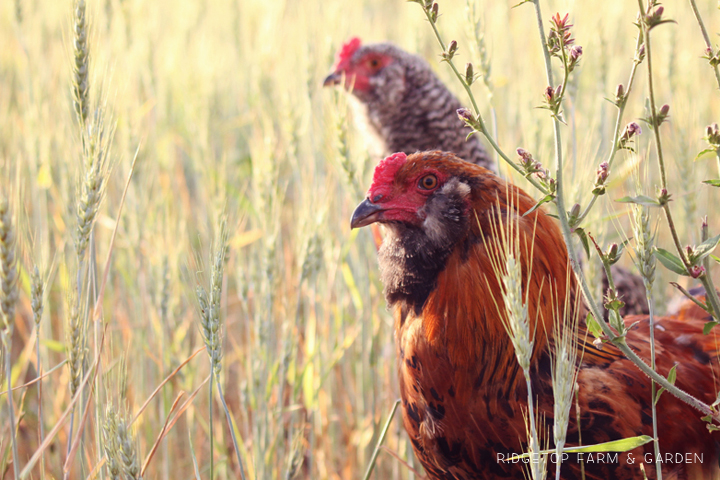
[463, 393]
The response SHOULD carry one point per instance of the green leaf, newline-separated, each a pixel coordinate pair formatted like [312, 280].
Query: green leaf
[704, 152]
[672, 374]
[670, 261]
[714, 183]
[708, 326]
[640, 200]
[53, 345]
[704, 249]
[584, 240]
[545, 199]
[593, 326]
[717, 259]
[622, 445]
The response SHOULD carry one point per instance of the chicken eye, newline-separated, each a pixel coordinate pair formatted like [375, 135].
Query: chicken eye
[374, 63]
[428, 182]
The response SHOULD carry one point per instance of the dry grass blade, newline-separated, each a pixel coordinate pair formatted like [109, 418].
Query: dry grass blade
[92, 372]
[79, 435]
[36, 379]
[167, 379]
[106, 271]
[162, 433]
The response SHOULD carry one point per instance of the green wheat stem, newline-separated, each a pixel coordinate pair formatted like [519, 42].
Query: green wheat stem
[40, 412]
[11, 410]
[381, 439]
[212, 440]
[232, 429]
[653, 386]
[705, 35]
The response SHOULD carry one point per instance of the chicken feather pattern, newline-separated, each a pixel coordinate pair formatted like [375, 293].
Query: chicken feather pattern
[463, 393]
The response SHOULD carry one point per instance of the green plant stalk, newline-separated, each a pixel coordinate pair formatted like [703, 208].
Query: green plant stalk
[380, 441]
[690, 297]
[653, 387]
[70, 435]
[478, 116]
[618, 124]
[232, 429]
[212, 441]
[705, 35]
[711, 293]
[618, 341]
[40, 411]
[11, 410]
[543, 41]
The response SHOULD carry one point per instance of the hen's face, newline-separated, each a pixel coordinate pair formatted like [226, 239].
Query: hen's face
[420, 191]
[367, 71]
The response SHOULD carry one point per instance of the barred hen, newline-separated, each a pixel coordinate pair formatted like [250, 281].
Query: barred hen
[463, 393]
[407, 104]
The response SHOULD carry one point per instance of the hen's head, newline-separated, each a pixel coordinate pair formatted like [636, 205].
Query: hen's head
[429, 192]
[373, 72]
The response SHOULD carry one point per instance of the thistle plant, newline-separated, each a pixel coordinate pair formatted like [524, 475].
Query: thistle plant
[8, 300]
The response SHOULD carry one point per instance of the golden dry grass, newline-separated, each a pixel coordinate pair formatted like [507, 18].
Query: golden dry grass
[224, 103]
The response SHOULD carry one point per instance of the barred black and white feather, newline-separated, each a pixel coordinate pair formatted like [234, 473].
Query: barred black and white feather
[407, 104]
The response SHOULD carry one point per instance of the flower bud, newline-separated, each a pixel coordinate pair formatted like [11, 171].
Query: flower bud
[602, 173]
[549, 94]
[697, 271]
[469, 73]
[434, 12]
[665, 109]
[620, 91]
[575, 211]
[575, 53]
[452, 48]
[465, 115]
[641, 53]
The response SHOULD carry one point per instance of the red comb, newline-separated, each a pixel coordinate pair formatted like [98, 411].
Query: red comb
[348, 50]
[387, 168]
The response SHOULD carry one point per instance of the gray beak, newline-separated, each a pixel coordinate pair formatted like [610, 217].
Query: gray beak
[365, 214]
[334, 78]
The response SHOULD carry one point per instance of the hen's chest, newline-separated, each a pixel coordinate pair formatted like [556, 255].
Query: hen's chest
[456, 423]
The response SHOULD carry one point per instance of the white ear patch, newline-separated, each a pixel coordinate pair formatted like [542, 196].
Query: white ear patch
[442, 209]
[462, 189]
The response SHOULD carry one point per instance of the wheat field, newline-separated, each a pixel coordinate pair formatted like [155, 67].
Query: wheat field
[221, 106]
